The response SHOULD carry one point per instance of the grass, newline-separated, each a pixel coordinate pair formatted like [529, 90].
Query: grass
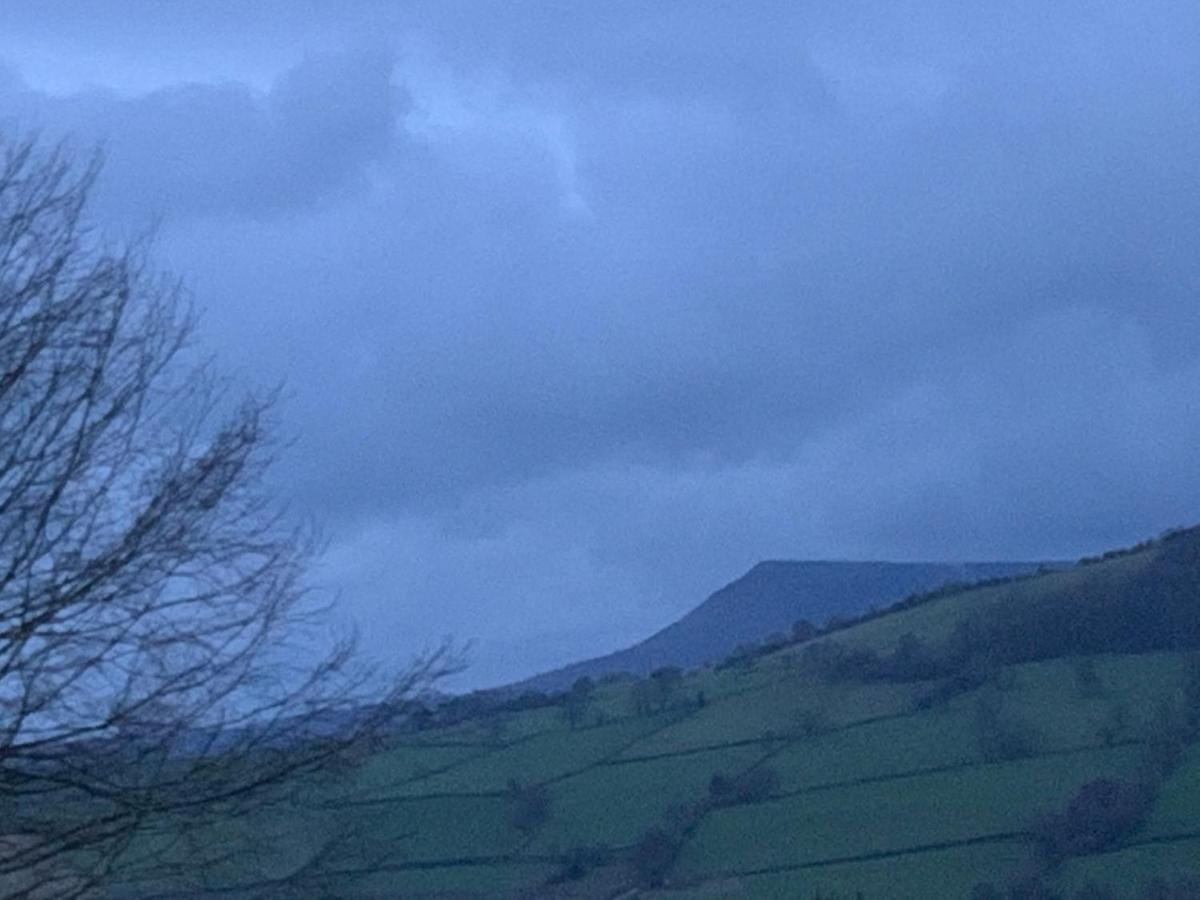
[889, 816]
[1127, 871]
[615, 804]
[539, 757]
[874, 795]
[910, 877]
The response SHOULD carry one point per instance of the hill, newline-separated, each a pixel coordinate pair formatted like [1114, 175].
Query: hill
[768, 600]
[1037, 737]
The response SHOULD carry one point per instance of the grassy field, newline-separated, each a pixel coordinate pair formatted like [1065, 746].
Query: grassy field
[870, 791]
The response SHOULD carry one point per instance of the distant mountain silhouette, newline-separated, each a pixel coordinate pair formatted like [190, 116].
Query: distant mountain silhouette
[769, 599]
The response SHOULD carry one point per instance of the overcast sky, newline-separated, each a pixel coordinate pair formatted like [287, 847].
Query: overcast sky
[586, 308]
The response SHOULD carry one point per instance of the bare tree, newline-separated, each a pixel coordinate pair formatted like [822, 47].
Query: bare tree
[153, 608]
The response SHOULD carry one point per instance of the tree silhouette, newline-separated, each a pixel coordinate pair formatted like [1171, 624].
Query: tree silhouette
[158, 665]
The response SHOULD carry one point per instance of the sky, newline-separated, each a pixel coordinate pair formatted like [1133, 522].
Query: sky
[584, 309]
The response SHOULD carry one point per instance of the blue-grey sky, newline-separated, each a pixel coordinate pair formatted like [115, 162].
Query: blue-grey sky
[586, 308]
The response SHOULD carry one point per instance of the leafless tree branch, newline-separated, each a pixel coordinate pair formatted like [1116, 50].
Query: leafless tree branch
[149, 588]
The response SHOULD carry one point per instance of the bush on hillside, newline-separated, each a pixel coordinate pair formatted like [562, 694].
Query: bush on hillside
[1115, 726]
[743, 658]
[1087, 680]
[667, 682]
[641, 698]
[657, 693]
[579, 861]
[1002, 736]
[1166, 736]
[654, 855]
[803, 630]
[811, 721]
[1101, 816]
[835, 662]
[576, 701]
[914, 660]
[529, 806]
[972, 673]
[752, 786]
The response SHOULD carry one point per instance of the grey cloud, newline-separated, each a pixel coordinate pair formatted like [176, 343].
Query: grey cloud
[630, 297]
[224, 148]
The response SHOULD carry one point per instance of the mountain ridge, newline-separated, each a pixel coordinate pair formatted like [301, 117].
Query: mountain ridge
[769, 598]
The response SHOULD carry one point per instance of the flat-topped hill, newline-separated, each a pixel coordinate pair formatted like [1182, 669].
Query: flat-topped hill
[769, 600]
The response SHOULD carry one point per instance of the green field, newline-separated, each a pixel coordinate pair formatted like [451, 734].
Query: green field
[871, 791]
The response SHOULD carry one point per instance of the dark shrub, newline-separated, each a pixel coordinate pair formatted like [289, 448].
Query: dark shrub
[803, 630]
[667, 682]
[654, 855]
[757, 784]
[579, 861]
[1100, 817]
[658, 692]
[752, 786]
[1166, 739]
[576, 701]
[912, 660]
[529, 806]
[1087, 679]
[775, 641]
[1001, 737]
[971, 673]
[743, 658]
[1115, 726]
[835, 662]
[811, 721]
[681, 818]
[720, 788]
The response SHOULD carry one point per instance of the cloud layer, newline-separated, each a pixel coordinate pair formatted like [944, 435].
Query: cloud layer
[582, 317]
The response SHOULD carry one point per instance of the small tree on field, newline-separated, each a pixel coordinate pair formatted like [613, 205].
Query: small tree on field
[577, 700]
[1101, 815]
[157, 666]
[751, 786]
[811, 721]
[1087, 680]
[667, 682]
[1115, 724]
[529, 806]
[1001, 736]
[642, 697]
[654, 855]
[803, 630]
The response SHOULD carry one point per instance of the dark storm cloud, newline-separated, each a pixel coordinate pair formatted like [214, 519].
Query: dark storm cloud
[586, 308]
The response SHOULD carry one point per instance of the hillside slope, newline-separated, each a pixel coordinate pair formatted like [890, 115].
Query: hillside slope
[1034, 738]
[769, 599]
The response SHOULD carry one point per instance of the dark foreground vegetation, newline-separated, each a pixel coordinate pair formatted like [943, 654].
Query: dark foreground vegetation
[160, 676]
